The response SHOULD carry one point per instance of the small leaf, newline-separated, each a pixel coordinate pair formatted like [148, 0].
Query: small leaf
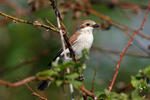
[101, 95]
[138, 84]
[82, 98]
[46, 73]
[54, 64]
[59, 82]
[75, 83]
[135, 83]
[66, 65]
[135, 95]
[72, 76]
[147, 71]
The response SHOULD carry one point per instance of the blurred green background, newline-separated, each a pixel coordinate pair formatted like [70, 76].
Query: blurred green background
[26, 50]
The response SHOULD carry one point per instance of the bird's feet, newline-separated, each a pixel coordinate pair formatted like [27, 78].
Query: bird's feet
[81, 78]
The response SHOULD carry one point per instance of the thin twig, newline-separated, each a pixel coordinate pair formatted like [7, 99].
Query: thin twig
[27, 22]
[19, 83]
[105, 18]
[34, 93]
[127, 46]
[85, 97]
[19, 10]
[88, 93]
[23, 63]
[63, 33]
[138, 44]
[123, 4]
[29, 79]
[125, 88]
[50, 23]
[93, 81]
[117, 52]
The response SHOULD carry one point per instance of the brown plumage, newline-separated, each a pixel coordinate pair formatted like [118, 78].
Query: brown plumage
[72, 39]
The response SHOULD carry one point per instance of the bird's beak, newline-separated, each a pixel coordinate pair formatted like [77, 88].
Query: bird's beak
[95, 26]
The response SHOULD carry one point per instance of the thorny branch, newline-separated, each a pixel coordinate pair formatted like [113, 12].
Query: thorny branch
[127, 46]
[36, 23]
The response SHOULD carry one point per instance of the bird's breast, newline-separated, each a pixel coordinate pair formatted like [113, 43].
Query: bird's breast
[83, 41]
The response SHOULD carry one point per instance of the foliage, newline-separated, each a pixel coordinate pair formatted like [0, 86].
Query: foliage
[58, 71]
[140, 82]
[141, 88]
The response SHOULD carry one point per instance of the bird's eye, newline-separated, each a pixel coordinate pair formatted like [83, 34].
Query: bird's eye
[87, 24]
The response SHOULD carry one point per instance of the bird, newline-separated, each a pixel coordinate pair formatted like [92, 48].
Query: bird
[80, 40]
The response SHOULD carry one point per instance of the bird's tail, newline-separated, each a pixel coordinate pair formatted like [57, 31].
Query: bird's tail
[44, 85]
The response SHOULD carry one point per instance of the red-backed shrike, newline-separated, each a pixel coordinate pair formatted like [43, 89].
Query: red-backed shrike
[83, 38]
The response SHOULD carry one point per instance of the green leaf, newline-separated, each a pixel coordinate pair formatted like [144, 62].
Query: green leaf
[138, 83]
[116, 96]
[84, 56]
[135, 83]
[75, 83]
[72, 76]
[46, 73]
[65, 65]
[147, 71]
[59, 82]
[82, 98]
[101, 95]
[135, 95]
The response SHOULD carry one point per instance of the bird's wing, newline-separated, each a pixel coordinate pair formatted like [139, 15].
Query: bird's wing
[72, 40]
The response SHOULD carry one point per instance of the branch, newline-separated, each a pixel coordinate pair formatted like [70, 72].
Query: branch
[63, 34]
[125, 89]
[138, 44]
[25, 62]
[105, 18]
[88, 93]
[64, 30]
[29, 79]
[19, 83]
[19, 10]
[93, 81]
[27, 22]
[127, 46]
[34, 93]
[131, 53]
[23, 82]
[128, 5]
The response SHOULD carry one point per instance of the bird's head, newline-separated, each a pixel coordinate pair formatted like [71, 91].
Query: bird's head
[87, 25]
